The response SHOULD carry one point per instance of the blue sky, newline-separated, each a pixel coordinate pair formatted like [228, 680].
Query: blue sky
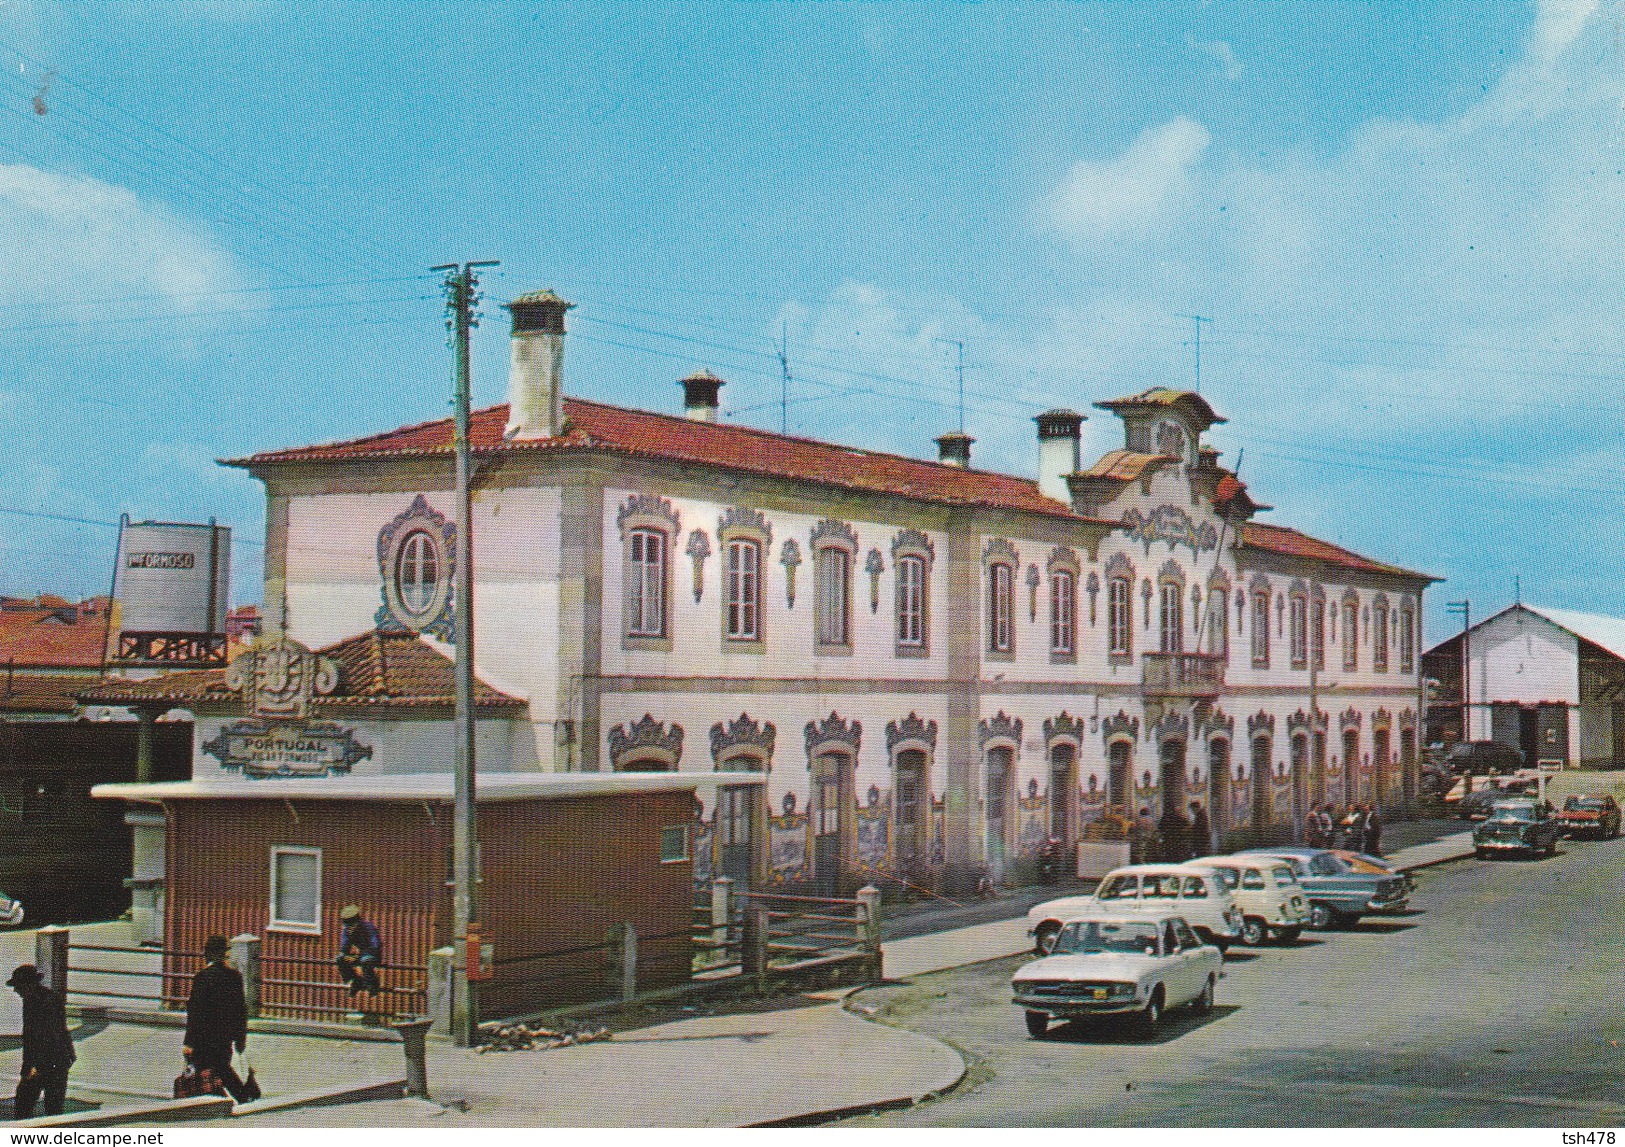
[1405, 224]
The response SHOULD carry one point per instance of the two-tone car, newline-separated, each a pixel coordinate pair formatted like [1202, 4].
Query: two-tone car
[1587, 815]
[1338, 895]
[1521, 825]
[1271, 900]
[1196, 893]
[1118, 964]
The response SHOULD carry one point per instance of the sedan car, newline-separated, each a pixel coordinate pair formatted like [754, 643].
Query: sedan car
[1590, 816]
[1196, 893]
[1480, 757]
[1477, 804]
[1338, 895]
[1521, 825]
[11, 911]
[1138, 965]
[1268, 895]
[1365, 862]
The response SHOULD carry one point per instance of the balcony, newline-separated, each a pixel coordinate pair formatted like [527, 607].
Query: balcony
[1194, 675]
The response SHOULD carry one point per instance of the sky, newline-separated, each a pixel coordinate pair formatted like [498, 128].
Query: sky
[1400, 226]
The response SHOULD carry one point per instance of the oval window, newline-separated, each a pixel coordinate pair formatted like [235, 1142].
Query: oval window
[417, 573]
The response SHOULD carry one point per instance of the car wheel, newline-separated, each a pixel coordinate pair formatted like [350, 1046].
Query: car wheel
[1288, 935]
[1151, 1015]
[1253, 931]
[1321, 916]
[1044, 938]
[1037, 1024]
[1203, 1003]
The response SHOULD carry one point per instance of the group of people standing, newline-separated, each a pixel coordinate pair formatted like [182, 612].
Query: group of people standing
[1174, 838]
[1358, 830]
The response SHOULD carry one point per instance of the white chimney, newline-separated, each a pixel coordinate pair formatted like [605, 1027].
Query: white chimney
[1059, 432]
[700, 396]
[536, 366]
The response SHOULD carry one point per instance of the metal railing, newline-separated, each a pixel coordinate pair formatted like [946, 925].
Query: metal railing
[1182, 674]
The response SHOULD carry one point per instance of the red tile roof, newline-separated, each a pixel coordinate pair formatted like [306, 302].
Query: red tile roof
[40, 639]
[392, 669]
[1125, 465]
[593, 425]
[36, 693]
[1291, 543]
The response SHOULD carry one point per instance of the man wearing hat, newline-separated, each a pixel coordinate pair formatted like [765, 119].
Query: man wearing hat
[217, 1018]
[47, 1047]
[361, 950]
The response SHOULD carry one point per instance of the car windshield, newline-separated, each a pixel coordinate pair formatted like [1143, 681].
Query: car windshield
[1589, 804]
[1089, 936]
[1517, 811]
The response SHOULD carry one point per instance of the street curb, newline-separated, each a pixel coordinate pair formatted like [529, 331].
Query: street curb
[385, 1088]
[163, 1112]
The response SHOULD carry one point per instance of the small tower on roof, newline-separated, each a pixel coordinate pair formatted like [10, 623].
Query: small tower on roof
[1165, 422]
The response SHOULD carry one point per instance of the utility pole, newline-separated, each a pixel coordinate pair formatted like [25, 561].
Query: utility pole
[461, 299]
[784, 378]
[1199, 320]
[1464, 608]
[960, 346]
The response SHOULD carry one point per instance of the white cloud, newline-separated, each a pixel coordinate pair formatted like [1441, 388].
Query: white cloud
[1133, 191]
[1220, 52]
[70, 237]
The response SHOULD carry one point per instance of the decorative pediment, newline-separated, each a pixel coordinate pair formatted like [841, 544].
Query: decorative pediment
[1407, 719]
[1350, 718]
[1120, 726]
[1259, 584]
[1171, 727]
[1000, 550]
[646, 737]
[1171, 571]
[1064, 727]
[1260, 722]
[737, 519]
[1172, 525]
[1299, 587]
[647, 506]
[1219, 723]
[910, 728]
[1063, 557]
[1118, 565]
[831, 532]
[1382, 719]
[833, 730]
[912, 541]
[1218, 582]
[1297, 723]
[278, 678]
[999, 728]
[743, 733]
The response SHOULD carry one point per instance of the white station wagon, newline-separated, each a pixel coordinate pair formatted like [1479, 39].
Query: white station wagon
[1138, 965]
[1196, 893]
[1270, 898]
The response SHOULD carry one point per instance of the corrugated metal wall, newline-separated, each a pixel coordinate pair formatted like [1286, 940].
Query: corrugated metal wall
[389, 859]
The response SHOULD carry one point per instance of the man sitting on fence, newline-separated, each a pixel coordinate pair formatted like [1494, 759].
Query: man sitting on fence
[361, 950]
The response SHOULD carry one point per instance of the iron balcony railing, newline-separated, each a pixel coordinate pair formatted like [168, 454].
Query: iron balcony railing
[1183, 674]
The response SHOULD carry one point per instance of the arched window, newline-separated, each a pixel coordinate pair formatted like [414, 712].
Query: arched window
[911, 602]
[1172, 616]
[1120, 616]
[742, 616]
[1063, 612]
[417, 573]
[832, 588]
[646, 584]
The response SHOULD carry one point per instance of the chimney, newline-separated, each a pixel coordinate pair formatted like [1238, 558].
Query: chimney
[953, 449]
[700, 396]
[536, 366]
[1058, 440]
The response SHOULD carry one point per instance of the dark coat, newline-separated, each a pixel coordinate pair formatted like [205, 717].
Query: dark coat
[1201, 831]
[46, 1042]
[364, 938]
[216, 1014]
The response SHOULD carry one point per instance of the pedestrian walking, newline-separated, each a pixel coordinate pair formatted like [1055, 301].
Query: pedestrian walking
[1313, 834]
[1354, 828]
[1142, 838]
[47, 1047]
[1175, 831]
[1201, 830]
[1373, 832]
[361, 950]
[217, 1018]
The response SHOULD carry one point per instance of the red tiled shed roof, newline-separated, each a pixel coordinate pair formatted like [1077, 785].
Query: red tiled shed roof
[1125, 465]
[374, 669]
[40, 639]
[1293, 543]
[593, 425]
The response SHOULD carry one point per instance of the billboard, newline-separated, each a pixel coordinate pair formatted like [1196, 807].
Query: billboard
[171, 588]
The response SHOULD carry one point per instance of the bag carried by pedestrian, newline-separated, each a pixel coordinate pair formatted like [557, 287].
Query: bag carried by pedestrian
[195, 1081]
[251, 1086]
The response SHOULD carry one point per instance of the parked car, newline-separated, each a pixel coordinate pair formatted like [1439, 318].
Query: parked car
[1194, 892]
[1483, 757]
[1520, 825]
[1137, 964]
[1268, 894]
[1338, 896]
[1591, 815]
[1477, 804]
[11, 911]
[1365, 862]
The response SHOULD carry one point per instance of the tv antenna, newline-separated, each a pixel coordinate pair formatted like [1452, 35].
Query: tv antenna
[960, 370]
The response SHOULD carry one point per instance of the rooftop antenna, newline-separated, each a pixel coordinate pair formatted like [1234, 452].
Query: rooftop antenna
[957, 343]
[784, 379]
[1199, 320]
[1517, 590]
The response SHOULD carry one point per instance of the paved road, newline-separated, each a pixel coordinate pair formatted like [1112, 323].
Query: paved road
[1497, 1004]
